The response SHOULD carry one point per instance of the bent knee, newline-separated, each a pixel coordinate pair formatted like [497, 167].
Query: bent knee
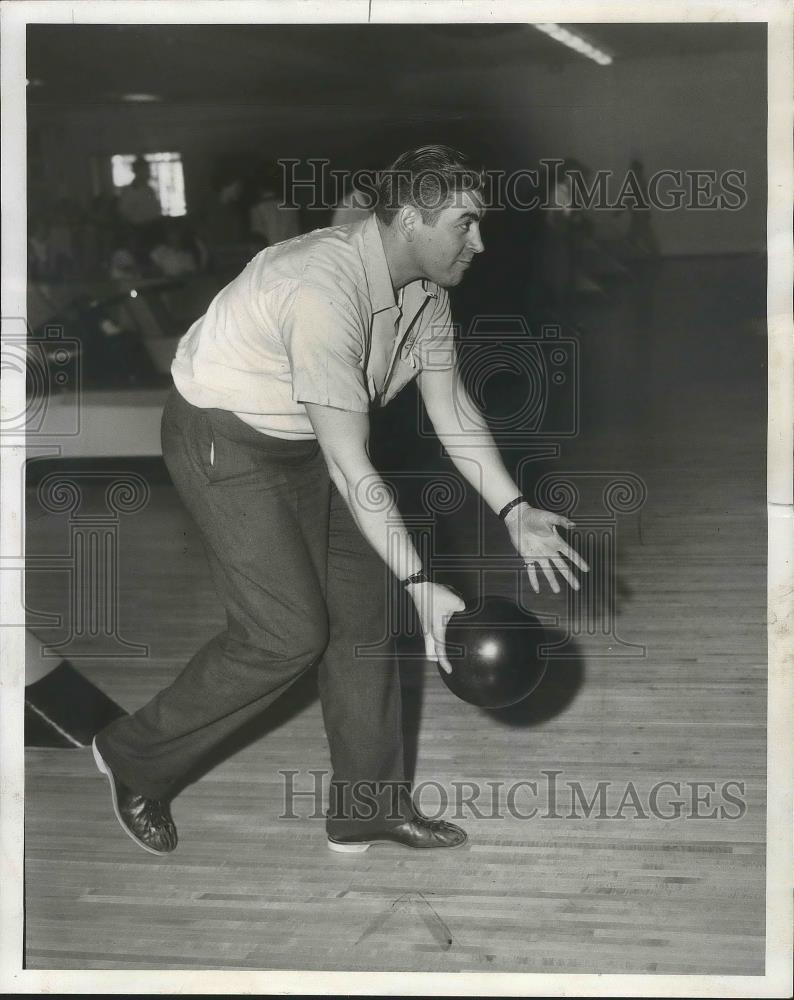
[308, 647]
[301, 643]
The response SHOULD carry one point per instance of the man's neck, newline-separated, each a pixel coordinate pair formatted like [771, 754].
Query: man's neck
[401, 268]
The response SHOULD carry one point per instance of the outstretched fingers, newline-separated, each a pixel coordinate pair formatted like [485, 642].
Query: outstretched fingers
[533, 577]
[548, 572]
[572, 555]
[562, 568]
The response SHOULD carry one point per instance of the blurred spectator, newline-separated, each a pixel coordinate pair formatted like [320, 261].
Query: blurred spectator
[51, 255]
[140, 209]
[352, 207]
[641, 235]
[557, 249]
[268, 219]
[123, 265]
[61, 246]
[177, 252]
[568, 232]
[223, 220]
[138, 204]
[38, 249]
[101, 222]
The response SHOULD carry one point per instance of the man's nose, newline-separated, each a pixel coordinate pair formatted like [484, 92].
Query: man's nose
[475, 240]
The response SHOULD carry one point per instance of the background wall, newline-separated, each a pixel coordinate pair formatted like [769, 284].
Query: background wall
[673, 112]
[687, 111]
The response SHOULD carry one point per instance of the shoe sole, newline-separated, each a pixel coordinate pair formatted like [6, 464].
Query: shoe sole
[334, 845]
[104, 769]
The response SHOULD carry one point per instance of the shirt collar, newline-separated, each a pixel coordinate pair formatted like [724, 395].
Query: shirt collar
[376, 269]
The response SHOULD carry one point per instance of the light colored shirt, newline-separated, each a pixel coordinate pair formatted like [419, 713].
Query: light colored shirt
[313, 320]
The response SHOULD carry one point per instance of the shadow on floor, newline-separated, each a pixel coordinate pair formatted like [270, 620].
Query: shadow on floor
[558, 689]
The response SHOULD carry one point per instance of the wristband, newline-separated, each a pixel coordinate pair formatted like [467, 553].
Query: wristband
[420, 577]
[509, 506]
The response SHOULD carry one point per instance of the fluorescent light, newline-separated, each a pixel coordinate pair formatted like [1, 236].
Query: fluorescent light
[141, 98]
[575, 42]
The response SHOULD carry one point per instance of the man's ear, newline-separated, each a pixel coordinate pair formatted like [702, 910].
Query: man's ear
[408, 219]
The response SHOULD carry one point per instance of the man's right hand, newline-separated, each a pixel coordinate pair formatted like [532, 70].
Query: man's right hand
[435, 605]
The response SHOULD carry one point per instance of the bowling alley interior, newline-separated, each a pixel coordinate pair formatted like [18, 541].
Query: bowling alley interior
[617, 346]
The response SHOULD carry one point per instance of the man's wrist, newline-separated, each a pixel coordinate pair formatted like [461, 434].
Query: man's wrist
[508, 507]
[419, 577]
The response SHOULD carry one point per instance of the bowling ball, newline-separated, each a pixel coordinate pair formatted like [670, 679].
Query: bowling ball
[494, 654]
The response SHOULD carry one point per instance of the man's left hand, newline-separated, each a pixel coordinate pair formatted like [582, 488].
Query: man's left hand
[534, 535]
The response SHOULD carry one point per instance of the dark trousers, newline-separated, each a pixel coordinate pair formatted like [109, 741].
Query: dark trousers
[300, 584]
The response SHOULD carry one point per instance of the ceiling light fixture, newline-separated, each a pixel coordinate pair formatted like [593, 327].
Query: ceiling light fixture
[576, 42]
[141, 98]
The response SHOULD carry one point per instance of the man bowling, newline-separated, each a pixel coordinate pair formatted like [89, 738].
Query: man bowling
[265, 436]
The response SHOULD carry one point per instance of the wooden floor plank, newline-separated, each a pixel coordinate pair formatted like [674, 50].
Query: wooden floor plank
[247, 890]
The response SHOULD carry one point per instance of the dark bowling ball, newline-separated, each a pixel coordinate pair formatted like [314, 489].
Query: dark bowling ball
[499, 663]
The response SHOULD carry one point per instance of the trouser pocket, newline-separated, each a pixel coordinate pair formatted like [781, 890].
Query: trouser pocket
[222, 448]
[187, 438]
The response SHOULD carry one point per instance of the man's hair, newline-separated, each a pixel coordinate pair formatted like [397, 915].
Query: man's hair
[429, 178]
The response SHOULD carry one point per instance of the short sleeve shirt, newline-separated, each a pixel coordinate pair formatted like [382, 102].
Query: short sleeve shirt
[313, 320]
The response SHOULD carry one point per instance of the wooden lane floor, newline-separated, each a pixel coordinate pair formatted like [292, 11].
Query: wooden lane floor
[620, 890]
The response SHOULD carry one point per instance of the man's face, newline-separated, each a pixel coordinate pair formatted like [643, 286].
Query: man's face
[444, 249]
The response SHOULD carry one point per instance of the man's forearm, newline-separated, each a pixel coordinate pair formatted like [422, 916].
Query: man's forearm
[475, 455]
[378, 519]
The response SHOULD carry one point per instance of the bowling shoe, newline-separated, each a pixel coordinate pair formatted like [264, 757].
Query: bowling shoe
[420, 833]
[146, 821]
